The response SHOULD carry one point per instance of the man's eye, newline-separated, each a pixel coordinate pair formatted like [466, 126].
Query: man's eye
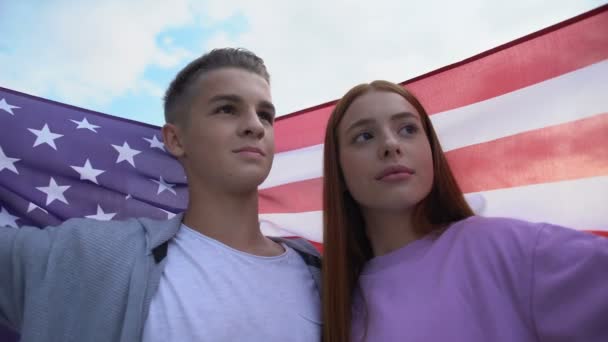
[266, 116]
[227, 109]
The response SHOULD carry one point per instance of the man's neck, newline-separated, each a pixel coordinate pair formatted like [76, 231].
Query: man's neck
[231, 219]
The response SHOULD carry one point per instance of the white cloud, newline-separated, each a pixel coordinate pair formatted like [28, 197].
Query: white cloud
[88, 52]
[316, 50]
[151, 88]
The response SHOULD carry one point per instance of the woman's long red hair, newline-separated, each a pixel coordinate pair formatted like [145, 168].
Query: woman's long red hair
[346, 246]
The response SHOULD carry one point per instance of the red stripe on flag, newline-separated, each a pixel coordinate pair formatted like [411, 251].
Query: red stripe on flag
[293, 197]
[318, 246]
[526, 61]
[515, 65]
[303, 130]
[568, 151]
[599, 232]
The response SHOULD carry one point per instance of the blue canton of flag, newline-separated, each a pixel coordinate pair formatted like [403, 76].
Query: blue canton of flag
[59, 161]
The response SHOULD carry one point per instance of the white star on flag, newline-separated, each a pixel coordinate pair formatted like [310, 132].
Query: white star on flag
[162, 186]
[45, 136]
[6, 219]
[31, 207]
[7, 107]
[7, 163]
[84, 124]
[101, 216]
[155, 143]
[170, 215]
[87, 172]
[54, 192]
[125, 152]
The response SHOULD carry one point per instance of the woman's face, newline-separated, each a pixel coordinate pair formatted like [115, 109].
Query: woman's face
[385, 155]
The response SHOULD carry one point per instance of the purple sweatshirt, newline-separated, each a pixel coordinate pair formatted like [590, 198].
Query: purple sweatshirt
[488, 279]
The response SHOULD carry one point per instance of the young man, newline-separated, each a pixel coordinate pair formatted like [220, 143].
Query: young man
[208, 274]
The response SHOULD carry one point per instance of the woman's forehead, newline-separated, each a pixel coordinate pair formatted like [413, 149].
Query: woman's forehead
[377, 106]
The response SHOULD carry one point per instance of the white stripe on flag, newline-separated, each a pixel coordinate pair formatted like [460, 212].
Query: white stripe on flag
[579, 204]
[570, 97]
[296, 165]
[566, 98]
[308, 225]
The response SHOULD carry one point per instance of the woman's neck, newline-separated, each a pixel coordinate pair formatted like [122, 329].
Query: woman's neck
[389, 230]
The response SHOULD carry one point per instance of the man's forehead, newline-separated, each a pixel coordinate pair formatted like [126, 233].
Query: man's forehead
[232, 81]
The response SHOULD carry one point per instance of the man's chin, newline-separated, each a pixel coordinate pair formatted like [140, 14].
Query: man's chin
[248, 181]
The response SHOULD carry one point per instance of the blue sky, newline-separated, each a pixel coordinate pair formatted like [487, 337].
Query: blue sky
[117, 57]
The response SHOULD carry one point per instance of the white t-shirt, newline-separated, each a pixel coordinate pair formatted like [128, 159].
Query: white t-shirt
[212, 292]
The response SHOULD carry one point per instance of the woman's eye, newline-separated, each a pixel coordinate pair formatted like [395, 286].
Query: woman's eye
[361, 137]
[408, 129]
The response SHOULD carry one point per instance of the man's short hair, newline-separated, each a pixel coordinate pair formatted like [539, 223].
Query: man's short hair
[177, 97]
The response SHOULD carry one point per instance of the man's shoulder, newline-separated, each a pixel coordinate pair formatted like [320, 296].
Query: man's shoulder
[76, 243]
[91, 227]
[304, 248]
[299, 244]
[89, 234]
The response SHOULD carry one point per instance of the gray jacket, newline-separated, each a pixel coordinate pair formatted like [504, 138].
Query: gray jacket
[88, 280]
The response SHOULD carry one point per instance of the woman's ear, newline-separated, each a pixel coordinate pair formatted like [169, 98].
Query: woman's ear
[172, 137]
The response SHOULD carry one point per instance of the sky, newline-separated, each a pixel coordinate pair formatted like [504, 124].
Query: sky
[118, 56]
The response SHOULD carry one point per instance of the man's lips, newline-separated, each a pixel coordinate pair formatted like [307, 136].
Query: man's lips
[250, 149]
[394, 170]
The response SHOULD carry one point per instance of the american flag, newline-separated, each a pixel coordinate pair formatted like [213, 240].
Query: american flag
[525, 128]
[59, 161]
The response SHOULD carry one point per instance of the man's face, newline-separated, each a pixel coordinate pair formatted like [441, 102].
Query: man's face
[227, 140]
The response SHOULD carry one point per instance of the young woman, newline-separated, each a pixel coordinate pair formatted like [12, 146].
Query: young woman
[406, 259]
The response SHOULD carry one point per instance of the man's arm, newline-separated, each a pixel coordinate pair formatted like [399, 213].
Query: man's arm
[23, 258]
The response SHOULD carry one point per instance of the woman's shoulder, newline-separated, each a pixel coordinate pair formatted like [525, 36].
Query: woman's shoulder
[489, 235]
[499, 235]
[495, 228]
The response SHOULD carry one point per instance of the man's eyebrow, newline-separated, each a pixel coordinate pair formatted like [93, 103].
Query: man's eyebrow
[235, 98]
[268, 106]
[226, 97]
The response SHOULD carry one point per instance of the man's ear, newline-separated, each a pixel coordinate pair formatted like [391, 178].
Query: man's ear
[172, 139]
